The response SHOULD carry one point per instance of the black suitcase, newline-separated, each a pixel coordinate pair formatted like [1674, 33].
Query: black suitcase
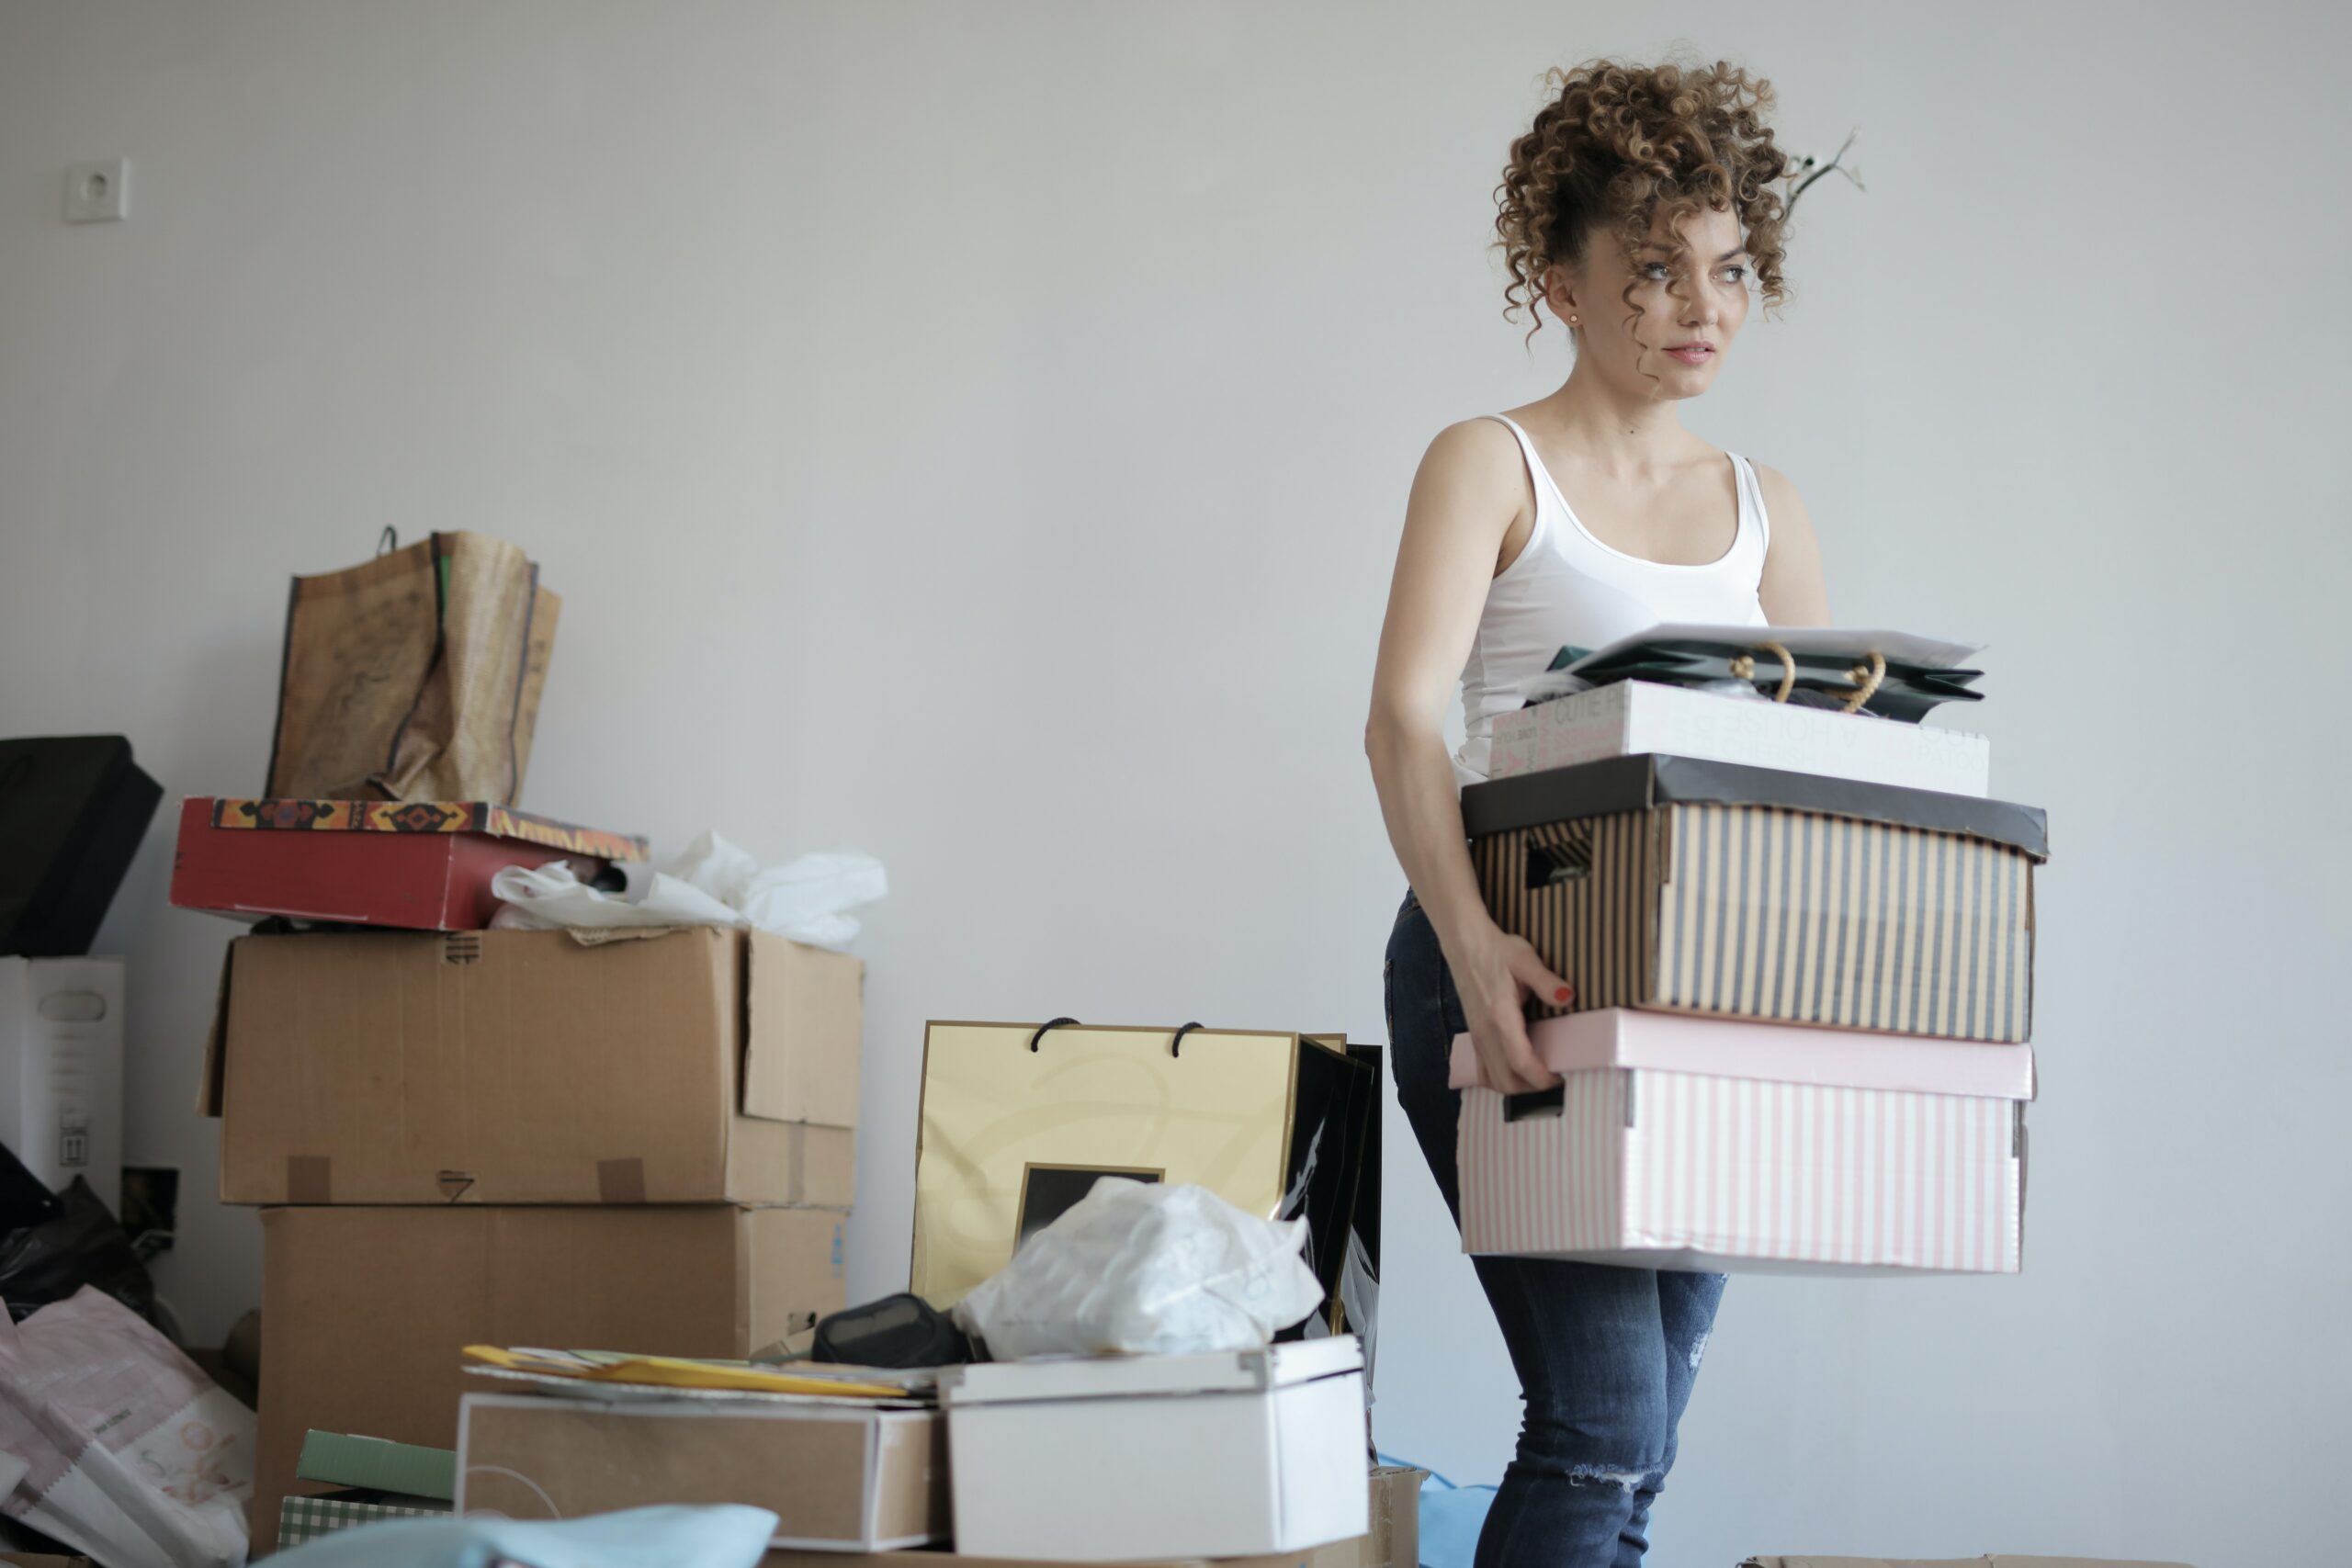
[73, 809]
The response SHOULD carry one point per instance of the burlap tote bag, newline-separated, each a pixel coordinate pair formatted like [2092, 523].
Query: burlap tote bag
[415, 676]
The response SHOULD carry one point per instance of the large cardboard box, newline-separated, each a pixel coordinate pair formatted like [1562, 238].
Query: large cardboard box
[1684, 1143]
[412, 864]
[793, 1557]
[61, 1070]
[528, 1067]
[1019, 1120]
[1709, 887]
[1999, 1560]
[1628, 717]
[366, 1310]
[838, 1476]
[1393, 1540]
[1097, 1459]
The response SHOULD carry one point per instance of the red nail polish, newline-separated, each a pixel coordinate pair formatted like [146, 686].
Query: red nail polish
[1563, 993]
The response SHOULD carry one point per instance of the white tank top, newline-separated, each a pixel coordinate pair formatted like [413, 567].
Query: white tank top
[1566, 587]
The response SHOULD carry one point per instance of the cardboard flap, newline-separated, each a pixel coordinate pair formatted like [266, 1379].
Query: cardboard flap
[216, 1041]
[802, 1009]
[1778, 1053]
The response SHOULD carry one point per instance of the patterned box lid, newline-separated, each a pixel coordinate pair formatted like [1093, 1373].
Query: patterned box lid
[425, 816]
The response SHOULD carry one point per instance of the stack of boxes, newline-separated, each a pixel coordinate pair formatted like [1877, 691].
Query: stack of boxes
[1799, 1037]
[523, 1138]
[1071, 1459]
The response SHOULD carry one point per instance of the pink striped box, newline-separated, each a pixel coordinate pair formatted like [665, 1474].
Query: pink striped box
[1682, 1143]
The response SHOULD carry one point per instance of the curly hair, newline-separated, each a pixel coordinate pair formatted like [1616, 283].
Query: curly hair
[1622, 143]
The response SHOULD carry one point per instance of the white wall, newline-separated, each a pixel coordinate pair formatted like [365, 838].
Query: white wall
[979, 434]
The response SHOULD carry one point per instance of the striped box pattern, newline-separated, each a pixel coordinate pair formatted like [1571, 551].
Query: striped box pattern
[1773, 913]
[1688, 1170]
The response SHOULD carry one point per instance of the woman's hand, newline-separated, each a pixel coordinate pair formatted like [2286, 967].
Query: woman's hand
[1495, 972]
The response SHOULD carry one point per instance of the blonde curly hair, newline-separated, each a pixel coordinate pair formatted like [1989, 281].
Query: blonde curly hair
[1621, 145]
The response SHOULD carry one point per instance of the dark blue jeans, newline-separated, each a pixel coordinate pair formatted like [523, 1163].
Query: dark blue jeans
[1605, 1356]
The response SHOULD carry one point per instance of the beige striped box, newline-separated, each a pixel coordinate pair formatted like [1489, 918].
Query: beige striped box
[1707, 887]
[1820, 1151]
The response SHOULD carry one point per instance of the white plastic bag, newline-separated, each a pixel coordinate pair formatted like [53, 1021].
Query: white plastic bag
[125, 1451]
[1139, 1268]
[712, 883]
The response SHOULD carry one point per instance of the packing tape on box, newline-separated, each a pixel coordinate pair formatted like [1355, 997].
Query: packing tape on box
[620, 1181]
[308, 1178]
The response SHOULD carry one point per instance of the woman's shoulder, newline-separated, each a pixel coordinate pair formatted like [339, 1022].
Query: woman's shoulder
[1781, 502]
[1477, 433]
[1479, 451]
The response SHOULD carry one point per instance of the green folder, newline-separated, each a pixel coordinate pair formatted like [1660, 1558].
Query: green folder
[346, 1460]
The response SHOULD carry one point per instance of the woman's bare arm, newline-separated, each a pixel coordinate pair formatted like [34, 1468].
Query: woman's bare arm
[1464, 497]
[1791, 591]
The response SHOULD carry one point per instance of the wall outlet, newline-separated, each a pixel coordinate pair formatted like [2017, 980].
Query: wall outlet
[100, 192]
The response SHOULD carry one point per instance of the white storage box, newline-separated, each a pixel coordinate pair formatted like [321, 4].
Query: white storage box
[61, 1070]
[1689, 1143]
[1628, 717]
[1102, 1459]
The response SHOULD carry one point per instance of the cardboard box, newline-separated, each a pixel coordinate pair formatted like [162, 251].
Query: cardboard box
[786, 1557]
[1019, 1122]
[2000, 1559]
[412, 865]
[526, 1067]
[839, 1476]
[1099, 1459]
[367, 1310]
[61, 1070]
[1394, 1539]
[1628, 717]
[1676, 1142]
[1708, 887]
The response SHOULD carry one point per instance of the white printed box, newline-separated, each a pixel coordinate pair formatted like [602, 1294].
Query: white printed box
[1627, 718]
[61, 1070]
[1683, 1142]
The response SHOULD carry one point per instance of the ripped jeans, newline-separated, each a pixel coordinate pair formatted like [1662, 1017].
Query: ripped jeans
[1605, 1356]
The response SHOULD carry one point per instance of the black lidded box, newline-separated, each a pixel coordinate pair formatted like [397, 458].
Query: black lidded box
[73, 811]
[1694, 887]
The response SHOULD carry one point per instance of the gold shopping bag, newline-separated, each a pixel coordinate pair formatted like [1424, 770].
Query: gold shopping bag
[1020, 1120]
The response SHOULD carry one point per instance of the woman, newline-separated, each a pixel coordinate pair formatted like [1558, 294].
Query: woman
[1641, 209]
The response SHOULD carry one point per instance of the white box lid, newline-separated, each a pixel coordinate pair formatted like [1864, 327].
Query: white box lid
[1781, 1053]
[1122, 1377]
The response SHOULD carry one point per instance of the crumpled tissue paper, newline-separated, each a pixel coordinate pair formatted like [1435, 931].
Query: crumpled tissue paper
[712, 883]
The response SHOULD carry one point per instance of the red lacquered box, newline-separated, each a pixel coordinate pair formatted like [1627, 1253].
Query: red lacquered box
[414, 864]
